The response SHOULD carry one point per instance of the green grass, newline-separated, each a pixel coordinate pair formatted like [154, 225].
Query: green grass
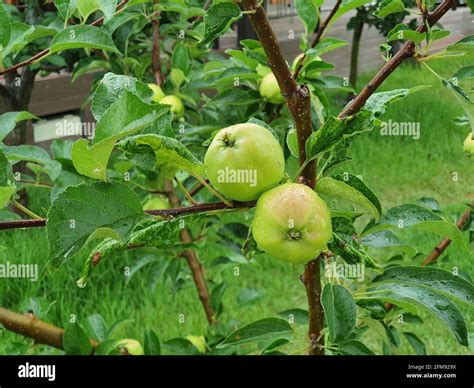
[398, 169]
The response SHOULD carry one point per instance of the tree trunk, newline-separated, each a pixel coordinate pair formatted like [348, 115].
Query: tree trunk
[358, 28]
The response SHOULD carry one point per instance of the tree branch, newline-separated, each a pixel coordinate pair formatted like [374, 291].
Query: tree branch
[45, 52]
[445, 242]
[298, 99]
[29, 326]
[193, 260]
[319, 35]
[167, 213]
[407, 51]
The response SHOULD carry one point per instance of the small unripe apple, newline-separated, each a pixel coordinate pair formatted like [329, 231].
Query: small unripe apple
[244, 160]
[198, 341]
[158, 93]
[176, 104]
[131, 347]
[157, 203]
[292, 223]
[270, 90]
[469, 144]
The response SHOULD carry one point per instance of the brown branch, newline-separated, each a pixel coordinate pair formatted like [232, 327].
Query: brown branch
[298, 99]
[155, 54]
[445, 242]
[29, 326]
[45, 52]
[319, 35]
[196, 189]
[407, 51]
[297, 96]
[32, 327]
[167, 213]
[193, 260]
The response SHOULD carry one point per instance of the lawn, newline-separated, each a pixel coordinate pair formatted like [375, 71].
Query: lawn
[399, 169]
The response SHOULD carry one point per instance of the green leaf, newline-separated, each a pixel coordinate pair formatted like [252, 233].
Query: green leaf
[30, 153]
[463, 97]
[162, 233]
[96, 328]
[350, 188]
[308, 12]
[18, 38]
[298, 316]
[181, 58]
[181, 346]
[169, 155]
[388, 7]
[419, 217]
[9, 120]
[334, 130]
[80, 210]
[408, 295]
[416, 343]
[76, 37]
[386, 238]
[87, 7]
[346, 245]
[65, 8]
[218, 19]
[217, 294]
[6, 29]
[348, 5]
[75, 341]
[111, 87]
[465, 45]
[261, 330]
[439, 34]
[127, 115]
[152, 344]
[378, 102]
[7, 185]
[403, 32]
[439, 279]
[355, 348]
[464, 73]
[339, 311]
[292, 142]
[235, 97]
[326, 45]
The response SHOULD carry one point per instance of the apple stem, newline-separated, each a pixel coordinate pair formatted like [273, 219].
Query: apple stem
[185, 192]
[213, 191]
[25, 210]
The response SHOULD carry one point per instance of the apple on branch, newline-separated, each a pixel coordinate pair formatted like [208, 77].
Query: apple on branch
[244, 160]
[292, 223]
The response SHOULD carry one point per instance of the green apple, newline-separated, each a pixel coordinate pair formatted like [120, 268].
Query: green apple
[176, 104]
[198, 341]
[158, 94]
[270, 90]
[157, 203]
[469, 144]
[131, 347]
[292, 223]
[244, 160]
